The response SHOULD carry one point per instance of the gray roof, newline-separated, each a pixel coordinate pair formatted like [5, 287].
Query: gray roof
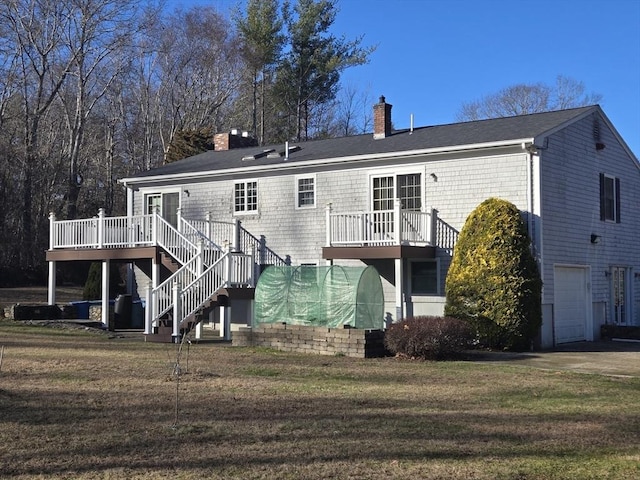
[422, 138]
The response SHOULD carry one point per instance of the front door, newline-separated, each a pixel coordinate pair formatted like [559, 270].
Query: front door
[619, 294]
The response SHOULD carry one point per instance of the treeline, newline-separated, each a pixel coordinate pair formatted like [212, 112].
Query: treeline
[96, 90]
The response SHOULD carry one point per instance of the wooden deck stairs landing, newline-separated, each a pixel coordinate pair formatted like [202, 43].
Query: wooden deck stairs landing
[196, 273]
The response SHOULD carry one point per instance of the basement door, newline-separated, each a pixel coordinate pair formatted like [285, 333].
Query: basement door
[571, 304]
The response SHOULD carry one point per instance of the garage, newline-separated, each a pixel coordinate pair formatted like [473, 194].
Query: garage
[572, 300]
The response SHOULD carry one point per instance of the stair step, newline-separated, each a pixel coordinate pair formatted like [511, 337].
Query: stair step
[159, 338]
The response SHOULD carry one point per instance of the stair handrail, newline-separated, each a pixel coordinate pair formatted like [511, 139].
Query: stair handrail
[162, 297]
[231, 270]
[172, 241]
[263, 254]
[239, 237]
[192, 229]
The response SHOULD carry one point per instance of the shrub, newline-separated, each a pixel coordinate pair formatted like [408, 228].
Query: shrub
[493, 281]
[93, 286]
[429, 338]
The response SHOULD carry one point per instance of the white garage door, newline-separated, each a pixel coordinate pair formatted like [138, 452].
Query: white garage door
[571, 303]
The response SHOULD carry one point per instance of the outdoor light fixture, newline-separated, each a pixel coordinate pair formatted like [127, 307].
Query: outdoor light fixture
[595, 238]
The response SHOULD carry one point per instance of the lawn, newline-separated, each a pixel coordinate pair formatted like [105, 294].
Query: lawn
[78, 404]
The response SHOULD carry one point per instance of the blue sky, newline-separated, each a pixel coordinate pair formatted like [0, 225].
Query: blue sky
[434, 55]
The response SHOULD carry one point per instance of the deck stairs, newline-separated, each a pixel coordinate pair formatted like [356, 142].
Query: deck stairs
[203, 260]
[206, 268]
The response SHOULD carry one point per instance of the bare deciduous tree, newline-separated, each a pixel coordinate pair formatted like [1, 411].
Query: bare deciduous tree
[522, 99]
[198, 71]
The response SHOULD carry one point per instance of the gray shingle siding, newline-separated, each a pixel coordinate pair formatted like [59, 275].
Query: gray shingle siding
[571, 208]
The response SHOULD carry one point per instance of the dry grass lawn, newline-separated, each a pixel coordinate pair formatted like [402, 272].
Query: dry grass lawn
[81, 405]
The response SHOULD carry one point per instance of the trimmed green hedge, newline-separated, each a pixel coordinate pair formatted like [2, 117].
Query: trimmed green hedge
[493, 281]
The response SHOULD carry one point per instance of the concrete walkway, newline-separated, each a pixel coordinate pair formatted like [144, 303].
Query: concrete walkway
[605, 358]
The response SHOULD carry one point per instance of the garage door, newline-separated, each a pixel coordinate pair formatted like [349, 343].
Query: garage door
[571, 304]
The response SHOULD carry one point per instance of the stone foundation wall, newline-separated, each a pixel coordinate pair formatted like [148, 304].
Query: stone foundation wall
[350, 342]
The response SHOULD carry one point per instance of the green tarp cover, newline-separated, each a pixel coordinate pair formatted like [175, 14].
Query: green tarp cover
[331, 296]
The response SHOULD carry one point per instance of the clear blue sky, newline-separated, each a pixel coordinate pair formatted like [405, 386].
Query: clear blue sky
[433, 55]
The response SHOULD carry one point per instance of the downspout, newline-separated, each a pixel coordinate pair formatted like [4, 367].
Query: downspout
[130, 198]
[130, 266]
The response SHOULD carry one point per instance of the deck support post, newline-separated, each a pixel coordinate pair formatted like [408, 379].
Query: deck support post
[105, 293]
[399, 274]
[51, 290]
[225, 327]
[177, 309]
[148, 311]
[51, 286]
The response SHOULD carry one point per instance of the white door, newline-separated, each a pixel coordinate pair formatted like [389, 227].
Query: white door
[571, 304]
[619, 295]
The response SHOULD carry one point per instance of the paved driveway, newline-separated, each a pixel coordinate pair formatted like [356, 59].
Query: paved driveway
[605, 358]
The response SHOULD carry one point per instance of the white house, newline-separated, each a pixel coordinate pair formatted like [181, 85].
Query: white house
[397, 200]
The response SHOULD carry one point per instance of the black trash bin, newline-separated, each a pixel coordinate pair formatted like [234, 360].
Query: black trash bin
[122, 311]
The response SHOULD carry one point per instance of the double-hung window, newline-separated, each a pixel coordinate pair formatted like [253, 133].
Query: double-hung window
[245, 197]
[305, 192]
[609, 198]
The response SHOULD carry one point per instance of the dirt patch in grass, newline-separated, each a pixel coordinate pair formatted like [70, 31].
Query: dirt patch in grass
[80, 405]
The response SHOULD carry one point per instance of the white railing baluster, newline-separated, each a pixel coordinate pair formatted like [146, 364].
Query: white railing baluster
[380, 227]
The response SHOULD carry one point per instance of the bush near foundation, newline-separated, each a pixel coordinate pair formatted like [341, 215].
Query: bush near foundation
[429, 338]
[493, 281]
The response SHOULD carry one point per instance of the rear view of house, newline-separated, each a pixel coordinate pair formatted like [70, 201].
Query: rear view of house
[396, 200]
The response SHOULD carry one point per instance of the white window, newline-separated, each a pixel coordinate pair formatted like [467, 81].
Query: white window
[305, 192]
[245, 197]
[424, 277]
[408, 188]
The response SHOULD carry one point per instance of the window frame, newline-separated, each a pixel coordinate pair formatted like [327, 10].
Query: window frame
[161, 205]
[609, 200]
[245, 197]
[395, 179]
[298, 179]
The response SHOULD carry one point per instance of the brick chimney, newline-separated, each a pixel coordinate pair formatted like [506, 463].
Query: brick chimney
[233, 139]
[381, 119]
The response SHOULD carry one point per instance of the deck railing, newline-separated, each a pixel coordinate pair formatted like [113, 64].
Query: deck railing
[101, 232]
[381, 227]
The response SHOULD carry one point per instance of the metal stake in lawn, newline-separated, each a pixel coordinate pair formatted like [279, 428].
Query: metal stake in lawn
[177, 371]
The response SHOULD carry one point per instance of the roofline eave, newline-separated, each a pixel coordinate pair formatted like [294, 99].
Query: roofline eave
[132, 182]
